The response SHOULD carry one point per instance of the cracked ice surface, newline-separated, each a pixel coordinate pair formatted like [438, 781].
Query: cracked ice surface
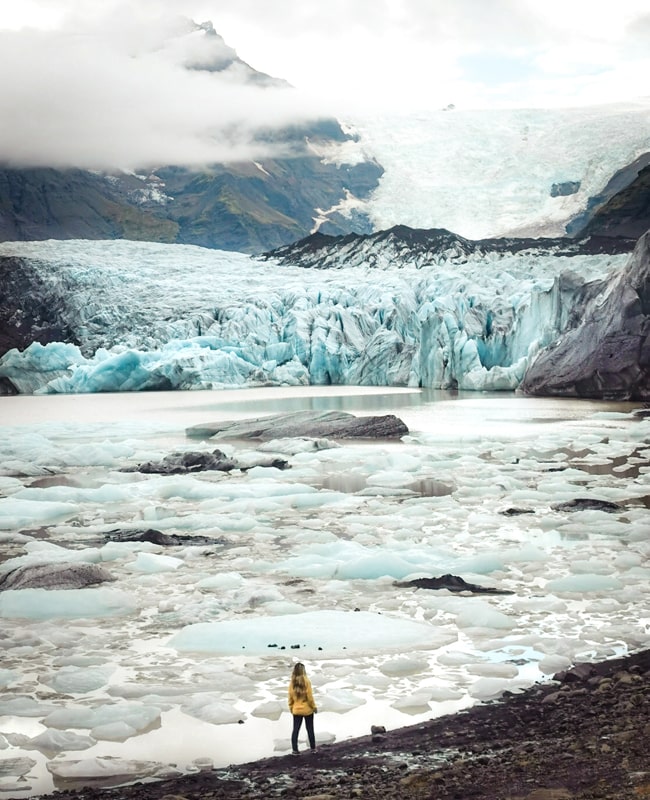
[151, 316]
[186, 655]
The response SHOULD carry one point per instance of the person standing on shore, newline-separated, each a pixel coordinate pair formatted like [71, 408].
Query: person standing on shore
[302, 706]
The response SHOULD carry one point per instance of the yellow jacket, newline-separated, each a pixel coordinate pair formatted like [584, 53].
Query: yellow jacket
[302, 707]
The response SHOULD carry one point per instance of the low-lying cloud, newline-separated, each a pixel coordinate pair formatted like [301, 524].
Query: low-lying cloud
[132, 97]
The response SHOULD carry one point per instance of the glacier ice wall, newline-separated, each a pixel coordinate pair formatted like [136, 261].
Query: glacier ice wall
[158, 317]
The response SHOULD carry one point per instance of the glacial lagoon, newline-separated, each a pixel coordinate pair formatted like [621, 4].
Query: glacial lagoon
[185, 656]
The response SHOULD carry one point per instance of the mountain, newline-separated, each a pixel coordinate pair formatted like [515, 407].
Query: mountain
[247, 206]
[422, 248]
[250, 207]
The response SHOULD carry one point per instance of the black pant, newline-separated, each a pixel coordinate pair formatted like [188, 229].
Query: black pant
[309, 724]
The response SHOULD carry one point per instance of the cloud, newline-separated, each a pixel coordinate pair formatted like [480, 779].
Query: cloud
[107, 84]
[131, 91]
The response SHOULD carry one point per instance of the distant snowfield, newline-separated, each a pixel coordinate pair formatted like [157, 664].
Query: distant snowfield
[185, 657]
[490, 173]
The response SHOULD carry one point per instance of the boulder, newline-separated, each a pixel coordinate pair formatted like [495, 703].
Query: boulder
[54, 576]
[158, 537]
[316, 424]
[182, 463]
[452, 583]
[588, 504]
[608, 355]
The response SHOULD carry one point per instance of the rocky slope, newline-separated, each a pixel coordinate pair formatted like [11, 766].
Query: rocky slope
[608, 355]
[623, 206]
[402, 245]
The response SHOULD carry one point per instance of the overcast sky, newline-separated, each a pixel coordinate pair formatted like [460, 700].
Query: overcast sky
[104, 83]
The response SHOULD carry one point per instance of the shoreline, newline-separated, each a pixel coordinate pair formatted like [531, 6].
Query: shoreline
[580, 736]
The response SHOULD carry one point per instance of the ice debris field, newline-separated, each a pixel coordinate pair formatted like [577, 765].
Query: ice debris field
[182, 660]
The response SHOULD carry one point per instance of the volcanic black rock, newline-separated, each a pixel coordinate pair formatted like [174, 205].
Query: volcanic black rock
[317, 424]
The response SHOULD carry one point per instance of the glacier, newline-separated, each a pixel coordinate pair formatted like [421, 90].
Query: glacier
[483, 173]
[147, 316]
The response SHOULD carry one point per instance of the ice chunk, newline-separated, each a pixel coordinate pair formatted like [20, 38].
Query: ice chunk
[16, 513]
[16, 767]
[583, 583]
[340, 700]
[213, 710]
[55, 741]
[152, 563]
[441, 694]
[416, 703]
[109, 768]
[313, 632]
[493, 670]
[269, 710]
[217, 583]
[404, 666]
[78, 680]
[481, 615]
[118, 731]
[487, 688]
[40, 604]
[24, 706]
[7, 677]
[551, 664]
[136, 715]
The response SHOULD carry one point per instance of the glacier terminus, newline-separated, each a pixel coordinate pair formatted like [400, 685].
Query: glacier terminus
[146, 316]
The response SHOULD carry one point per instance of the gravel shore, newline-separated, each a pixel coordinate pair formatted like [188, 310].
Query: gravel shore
[585, 735]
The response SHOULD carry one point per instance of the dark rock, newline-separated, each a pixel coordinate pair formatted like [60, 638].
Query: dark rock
[608, 355]
[622, 208]
[588, 504]
[179, 463]
[158, 537]
[182, 463]
[332, 424]
[451, 582]
[577, 674]
[54, 576]
[565, 188]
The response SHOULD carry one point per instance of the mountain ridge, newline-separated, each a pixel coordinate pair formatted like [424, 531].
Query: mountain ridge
[247, 206]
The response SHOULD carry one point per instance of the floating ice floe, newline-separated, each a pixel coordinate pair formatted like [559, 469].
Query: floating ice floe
[78, 680]
[137, 716]
[56, 741]
[109, 768]
[317, 633]
[42, 604]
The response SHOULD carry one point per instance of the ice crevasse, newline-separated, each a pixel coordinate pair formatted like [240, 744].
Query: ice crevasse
[147, 316]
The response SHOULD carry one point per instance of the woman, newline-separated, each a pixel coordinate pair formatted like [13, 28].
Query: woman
[302, 706]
